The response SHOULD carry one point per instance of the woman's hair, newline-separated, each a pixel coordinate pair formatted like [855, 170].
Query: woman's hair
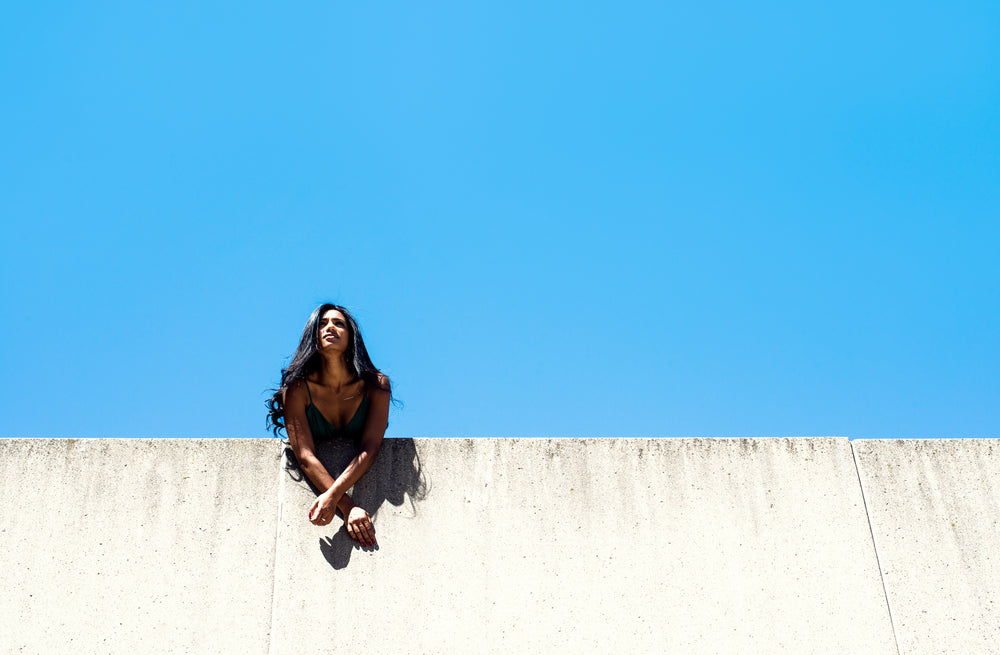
[307, 361]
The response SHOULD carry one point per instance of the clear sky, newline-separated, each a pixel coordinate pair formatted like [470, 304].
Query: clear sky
[552, 219]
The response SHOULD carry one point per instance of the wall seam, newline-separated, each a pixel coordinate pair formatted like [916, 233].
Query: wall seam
[271, 644]
[878, 561]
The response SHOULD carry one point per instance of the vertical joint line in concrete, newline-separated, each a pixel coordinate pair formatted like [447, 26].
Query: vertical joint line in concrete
[878, 561]
[272, 644]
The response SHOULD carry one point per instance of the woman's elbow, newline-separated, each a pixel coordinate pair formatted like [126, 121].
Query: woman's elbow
[307, 460]
[368, 454]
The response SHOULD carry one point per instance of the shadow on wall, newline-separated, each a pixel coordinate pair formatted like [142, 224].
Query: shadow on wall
[395, 477]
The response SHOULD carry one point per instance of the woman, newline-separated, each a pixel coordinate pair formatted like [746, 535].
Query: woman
[331, 390]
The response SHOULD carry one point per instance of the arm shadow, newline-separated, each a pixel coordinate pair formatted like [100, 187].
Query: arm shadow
[395, 477]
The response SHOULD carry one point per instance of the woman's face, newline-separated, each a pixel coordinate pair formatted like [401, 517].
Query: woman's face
[333, 334]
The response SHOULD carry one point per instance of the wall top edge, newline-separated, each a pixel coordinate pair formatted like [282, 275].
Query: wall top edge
[612, 438]
[276, 440]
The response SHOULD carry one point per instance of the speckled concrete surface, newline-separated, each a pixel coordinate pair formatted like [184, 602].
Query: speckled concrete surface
[935, 512]
[136, 546]
[485, 546]
[503, 545]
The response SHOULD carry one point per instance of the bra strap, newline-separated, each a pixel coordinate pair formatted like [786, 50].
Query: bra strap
[307, 391]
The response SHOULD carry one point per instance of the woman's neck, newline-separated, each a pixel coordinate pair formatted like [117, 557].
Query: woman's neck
[333, 372]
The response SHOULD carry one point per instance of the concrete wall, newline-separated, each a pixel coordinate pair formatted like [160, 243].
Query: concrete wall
[935, 514]
[503, 545]
[137, 546]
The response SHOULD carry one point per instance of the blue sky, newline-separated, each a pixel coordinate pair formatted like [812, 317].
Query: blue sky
[558, 219]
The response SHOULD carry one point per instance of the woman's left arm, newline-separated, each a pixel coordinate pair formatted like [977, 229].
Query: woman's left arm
[357, 519]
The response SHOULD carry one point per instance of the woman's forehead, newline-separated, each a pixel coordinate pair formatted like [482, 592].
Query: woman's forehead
[332, 314]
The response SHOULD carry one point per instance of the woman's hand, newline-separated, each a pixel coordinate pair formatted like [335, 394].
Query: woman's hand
[359, 526]
[324, 508]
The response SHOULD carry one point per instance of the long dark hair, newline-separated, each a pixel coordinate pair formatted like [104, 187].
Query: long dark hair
[307, 361]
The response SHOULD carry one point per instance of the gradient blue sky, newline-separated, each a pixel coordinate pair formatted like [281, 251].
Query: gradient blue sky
[565, 219]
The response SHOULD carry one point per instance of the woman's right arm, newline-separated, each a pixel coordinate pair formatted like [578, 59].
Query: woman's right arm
[301, 440]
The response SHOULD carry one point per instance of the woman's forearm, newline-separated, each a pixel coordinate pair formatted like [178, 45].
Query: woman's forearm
[345, 505]
[322, 480]
[358, 467]
[316, 472]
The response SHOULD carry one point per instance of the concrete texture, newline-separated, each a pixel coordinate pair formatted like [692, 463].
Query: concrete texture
[136, 546]
[485, 546]
[504, 545]
[935, 513]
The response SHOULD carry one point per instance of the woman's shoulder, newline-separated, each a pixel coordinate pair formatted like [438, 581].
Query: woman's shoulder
[297, 393]
[378, 386]
[376, 382]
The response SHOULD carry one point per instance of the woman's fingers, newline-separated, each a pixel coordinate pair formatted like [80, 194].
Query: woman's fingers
[359, 526]
[316, 515]
[314, 510]
[367, 532]
[362, 531]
